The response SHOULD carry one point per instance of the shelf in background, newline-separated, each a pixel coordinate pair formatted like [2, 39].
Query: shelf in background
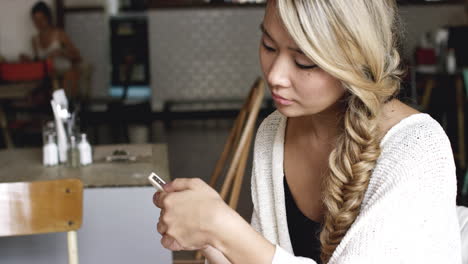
[171, 4]
[80, 9]
[430, 2]
[201, 4]
[155, 4]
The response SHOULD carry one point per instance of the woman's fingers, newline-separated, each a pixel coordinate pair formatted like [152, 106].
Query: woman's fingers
[161, 227]
[170, 243]
[158, 199]
[166, 241]
[155, 197]
[182, 184]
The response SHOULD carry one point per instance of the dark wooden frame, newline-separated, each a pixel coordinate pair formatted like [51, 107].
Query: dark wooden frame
[84, 9]
[59, 13]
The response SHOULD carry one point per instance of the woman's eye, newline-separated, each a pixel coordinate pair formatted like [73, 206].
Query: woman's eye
[268, 48]
[305, 67]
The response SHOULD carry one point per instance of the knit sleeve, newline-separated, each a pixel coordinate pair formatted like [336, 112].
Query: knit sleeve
[255, 221]
[409, 212]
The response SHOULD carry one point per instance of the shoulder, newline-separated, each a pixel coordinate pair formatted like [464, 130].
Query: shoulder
[271, 122]
[418, 133]
[268, 128]
[416, 157]
[417, 151]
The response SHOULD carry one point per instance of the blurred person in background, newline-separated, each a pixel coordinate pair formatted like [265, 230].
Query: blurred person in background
[52, 43]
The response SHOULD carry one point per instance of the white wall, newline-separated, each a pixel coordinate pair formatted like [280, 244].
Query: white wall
[16, 27]
[207, 53]
[212, 52]
[90, 33]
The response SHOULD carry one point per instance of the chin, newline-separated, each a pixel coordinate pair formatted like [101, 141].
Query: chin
[289, 111]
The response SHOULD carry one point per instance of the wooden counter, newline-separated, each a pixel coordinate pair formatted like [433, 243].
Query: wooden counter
[26, 165]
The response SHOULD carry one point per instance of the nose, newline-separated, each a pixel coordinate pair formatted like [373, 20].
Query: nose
[278, 76]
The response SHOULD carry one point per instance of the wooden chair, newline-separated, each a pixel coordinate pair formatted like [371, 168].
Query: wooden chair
[28, 208]
[237, 147]
[5, 131]
[461, 112]
[234, 156]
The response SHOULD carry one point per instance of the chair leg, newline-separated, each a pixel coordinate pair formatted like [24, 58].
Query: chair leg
[461, 122]
[198, 255]
[426, 97]
[465, 185]
[228, 146]
[235, 192]
[72, 247]
[4, 126]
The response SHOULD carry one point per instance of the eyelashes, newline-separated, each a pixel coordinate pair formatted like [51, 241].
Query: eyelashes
[268, 48]
[305, 67]
[300, 66]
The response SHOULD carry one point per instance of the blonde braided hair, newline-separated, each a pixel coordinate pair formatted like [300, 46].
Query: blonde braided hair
[354, 41]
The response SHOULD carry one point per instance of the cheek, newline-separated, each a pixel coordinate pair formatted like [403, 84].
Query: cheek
[319, 90]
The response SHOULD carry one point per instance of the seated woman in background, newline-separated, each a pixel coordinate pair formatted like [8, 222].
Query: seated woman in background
[53, 43]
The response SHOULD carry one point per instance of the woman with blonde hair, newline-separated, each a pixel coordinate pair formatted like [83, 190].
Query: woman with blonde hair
[343, 171]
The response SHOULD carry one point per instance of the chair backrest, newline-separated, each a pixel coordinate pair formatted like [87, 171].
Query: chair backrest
[28, 208]
[236, 149]
[237, 146]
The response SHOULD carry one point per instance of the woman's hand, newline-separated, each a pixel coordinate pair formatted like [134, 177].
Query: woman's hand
[190, 213]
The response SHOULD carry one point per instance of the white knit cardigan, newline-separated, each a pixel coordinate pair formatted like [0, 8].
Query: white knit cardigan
[408, 214]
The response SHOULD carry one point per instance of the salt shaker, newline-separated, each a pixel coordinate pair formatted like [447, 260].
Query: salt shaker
[86, 155]
[50, 151]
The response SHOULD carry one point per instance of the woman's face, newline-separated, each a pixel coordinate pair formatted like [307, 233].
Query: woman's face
[40, 21]
[297, 85]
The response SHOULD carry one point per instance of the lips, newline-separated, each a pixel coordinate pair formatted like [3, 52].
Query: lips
[281, 100]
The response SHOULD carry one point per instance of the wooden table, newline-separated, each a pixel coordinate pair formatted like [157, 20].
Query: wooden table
[26, 165]
[119, 224]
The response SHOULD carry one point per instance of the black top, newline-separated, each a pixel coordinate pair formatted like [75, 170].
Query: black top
[304, 233]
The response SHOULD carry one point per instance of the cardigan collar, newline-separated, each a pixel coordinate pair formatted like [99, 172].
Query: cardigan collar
[278, 177]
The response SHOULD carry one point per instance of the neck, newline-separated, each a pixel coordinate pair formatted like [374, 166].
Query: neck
[320, 127]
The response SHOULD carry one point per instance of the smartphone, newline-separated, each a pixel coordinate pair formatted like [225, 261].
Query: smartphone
[156, 181]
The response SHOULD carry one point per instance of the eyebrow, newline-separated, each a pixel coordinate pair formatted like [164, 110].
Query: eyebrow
[264, 31]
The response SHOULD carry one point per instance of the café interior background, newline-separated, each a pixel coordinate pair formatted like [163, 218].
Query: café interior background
[205, 55]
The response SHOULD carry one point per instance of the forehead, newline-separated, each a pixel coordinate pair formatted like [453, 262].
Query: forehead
[273, 24]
